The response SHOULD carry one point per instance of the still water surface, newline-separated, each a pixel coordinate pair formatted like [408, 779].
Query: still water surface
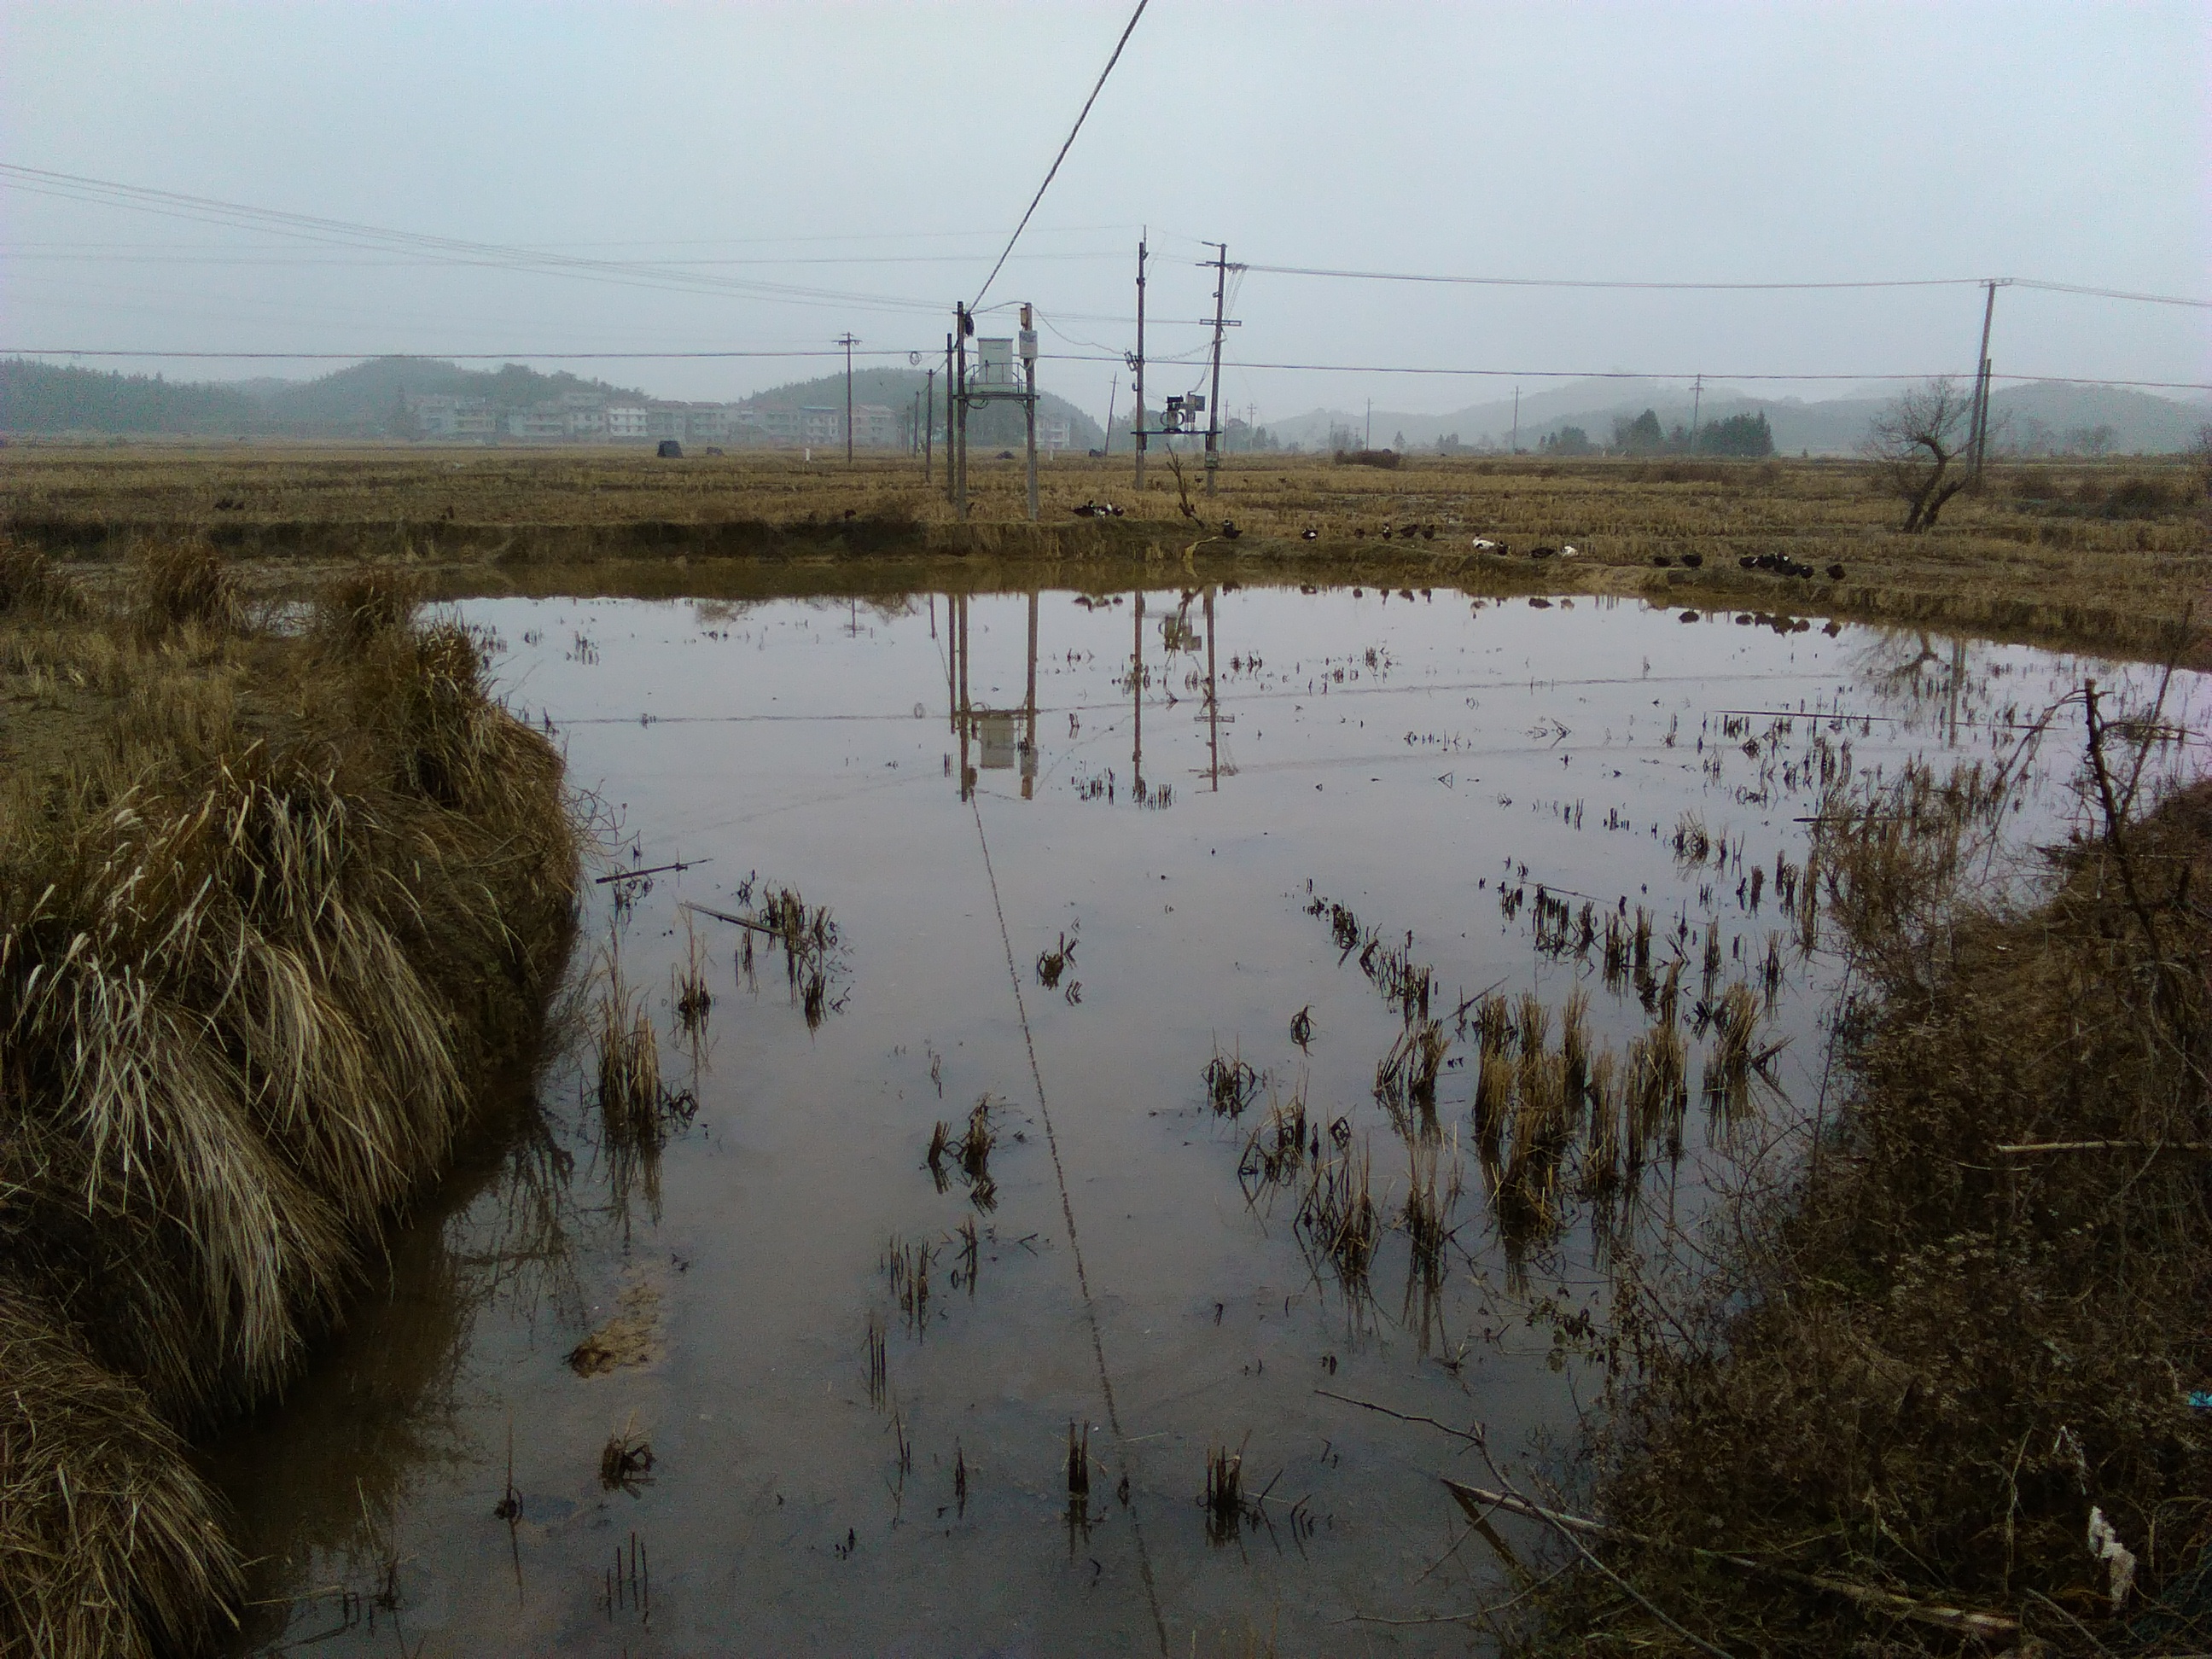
[1163, 795]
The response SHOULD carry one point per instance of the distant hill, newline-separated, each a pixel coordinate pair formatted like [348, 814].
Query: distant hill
[997, 424]
[350, 403]
[38, 397]
[2032, 417]
[359, 401]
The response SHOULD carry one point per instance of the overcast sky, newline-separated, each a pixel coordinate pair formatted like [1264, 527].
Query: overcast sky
[876, 157]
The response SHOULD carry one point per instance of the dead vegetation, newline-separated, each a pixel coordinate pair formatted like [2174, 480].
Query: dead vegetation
[270, 905]
[2070, 552]
[1951, 1377]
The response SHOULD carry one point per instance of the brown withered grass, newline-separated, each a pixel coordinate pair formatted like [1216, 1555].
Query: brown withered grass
[268, 906]
[2102, 554]
[1974, 1316]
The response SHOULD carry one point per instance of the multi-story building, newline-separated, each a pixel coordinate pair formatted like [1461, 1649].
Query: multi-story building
[540, 422]
[626, 420]
[875, 426]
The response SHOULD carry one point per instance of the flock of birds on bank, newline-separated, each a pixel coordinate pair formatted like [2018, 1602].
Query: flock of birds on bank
[1779, 564]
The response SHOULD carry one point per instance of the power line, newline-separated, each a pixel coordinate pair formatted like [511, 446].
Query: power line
[1074, 357]
[425, 356]
[1064, 148]
[1721, 287]
[448, 250]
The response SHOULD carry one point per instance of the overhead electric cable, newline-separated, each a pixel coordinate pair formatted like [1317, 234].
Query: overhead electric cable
[1717, 287]
[1192, 355]
[444, 249]
[1064, 148]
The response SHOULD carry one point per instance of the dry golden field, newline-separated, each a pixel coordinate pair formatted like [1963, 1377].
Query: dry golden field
[2111, 555]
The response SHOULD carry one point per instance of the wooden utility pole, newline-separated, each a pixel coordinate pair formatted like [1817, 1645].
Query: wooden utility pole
[1138, 364]
[847, 341]
[1214, 400]
[1981, 416]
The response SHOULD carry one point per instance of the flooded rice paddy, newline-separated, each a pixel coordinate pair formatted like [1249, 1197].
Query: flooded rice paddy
[1101, 1040]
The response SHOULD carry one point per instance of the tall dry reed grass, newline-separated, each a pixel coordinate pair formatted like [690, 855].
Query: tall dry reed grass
[267, 912]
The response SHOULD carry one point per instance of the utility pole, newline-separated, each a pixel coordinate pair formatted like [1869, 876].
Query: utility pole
[1213, 397]
[960, 402]
[1367, 442]
[1029, 348]
[1696, 399]
[847, 341]
[1981, 416]
[1111, 392]
[1137, 364]
[948, 417]
[1515, 448]
[928, 420]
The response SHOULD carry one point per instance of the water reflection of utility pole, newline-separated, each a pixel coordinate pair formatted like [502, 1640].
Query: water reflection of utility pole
[1212, 703]
[1958, 676]
[967, 772]
[1029, 710]
[1137, 695]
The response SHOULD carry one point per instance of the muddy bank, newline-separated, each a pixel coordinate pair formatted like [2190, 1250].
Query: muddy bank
[271, 911]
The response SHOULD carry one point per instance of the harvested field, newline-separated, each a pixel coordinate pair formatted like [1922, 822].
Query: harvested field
[2102, 554]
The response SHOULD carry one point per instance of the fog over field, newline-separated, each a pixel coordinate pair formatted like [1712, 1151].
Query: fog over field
[763, 178]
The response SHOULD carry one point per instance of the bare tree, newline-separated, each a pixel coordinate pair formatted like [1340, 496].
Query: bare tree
[1918, 445]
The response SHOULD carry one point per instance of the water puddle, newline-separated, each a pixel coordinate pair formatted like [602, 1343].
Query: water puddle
[1101, 1039]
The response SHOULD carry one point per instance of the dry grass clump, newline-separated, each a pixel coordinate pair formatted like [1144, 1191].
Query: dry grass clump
[358, 610]
[29, 583]
[261, 927]
[110, 1539]
[1954, 1359]
[185, 582]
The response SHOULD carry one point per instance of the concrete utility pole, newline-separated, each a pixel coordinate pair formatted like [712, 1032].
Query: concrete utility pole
[1981, 416]
[1213, 397]
[1697, 400]
[960, 402]
[948, 384]
[1112, 392]
[847, 341]
[1029, 348]
[1137, 364]
[928, 420]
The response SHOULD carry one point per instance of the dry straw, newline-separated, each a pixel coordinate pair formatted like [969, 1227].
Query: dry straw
[268, 916]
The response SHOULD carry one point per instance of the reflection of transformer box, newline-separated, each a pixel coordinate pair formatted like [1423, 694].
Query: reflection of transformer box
[996, 728]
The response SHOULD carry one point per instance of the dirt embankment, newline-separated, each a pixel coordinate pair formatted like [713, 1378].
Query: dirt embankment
[271, 909]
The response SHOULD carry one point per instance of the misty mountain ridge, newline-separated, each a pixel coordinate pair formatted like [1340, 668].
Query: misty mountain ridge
[2035, 417]
[365, 399]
